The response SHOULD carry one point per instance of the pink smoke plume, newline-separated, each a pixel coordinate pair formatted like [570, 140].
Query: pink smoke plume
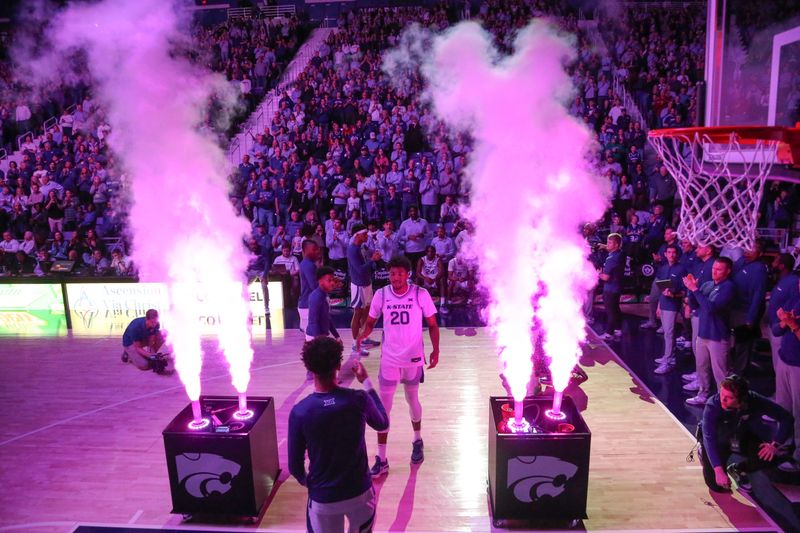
[185, 232]
[531, 183]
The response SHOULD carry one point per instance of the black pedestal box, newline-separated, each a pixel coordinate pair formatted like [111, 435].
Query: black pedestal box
[541, 476]
[230, 466]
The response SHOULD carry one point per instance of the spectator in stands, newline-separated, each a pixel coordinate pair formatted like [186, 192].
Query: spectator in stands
[393, 206]
[388, 243]
[28, 245]
[55, 211]
[337, 241]
[293, 225]
[713, 300]
[429, 191]
[9, 248]
[96, 262]
[58, 247]
[288, 263]
[444, 245]
[663, 189]
[413, 234]
[410, 192]
[120, 265]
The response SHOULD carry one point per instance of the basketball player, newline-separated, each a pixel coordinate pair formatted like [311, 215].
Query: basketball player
[403, 353]
[430, 271]
[308, 279]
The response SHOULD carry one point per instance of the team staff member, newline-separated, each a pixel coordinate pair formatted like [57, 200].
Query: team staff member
[613, 270]
[403, 354]
[329, 424]
[713, 300]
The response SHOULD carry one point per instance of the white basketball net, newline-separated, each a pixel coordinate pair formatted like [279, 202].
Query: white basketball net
[718, 207]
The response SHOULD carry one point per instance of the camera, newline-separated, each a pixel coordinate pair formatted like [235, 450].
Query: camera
[158, 363]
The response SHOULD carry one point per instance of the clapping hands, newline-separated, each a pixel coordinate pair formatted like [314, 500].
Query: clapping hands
[788, 319]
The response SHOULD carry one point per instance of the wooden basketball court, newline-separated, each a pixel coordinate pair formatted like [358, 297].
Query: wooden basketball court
[80, 442]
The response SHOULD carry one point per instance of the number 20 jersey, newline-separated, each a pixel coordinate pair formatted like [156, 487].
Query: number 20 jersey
[402, 324]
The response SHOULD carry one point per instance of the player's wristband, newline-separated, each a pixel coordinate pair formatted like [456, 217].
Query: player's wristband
[367, 384]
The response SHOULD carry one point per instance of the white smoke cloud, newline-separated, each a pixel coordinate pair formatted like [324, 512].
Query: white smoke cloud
[185, 231]
[531, 182]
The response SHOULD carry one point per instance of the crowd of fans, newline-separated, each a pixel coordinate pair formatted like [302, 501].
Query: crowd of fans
[658, 55]
[348, 145]
[62, 200]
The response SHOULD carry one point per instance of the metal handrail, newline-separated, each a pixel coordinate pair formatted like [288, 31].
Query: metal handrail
[269, 106]
[277, 11]
[47, 124]
[22, 136]
[235, 13]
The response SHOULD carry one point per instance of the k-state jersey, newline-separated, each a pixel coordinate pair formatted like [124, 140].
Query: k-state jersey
[402, 324]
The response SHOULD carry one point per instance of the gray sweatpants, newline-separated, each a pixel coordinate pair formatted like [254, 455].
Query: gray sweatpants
[668, 323]
[652, 305]
[712, 362]
[329, 517]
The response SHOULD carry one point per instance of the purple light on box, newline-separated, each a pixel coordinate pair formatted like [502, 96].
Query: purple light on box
[195, 424]
[553, 415]
[246, 415]
[519, 426]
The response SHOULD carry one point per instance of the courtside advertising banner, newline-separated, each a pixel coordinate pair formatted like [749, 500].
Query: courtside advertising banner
[35, 309]
[106, 309]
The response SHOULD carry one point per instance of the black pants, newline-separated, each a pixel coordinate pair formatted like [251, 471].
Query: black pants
[614, 315]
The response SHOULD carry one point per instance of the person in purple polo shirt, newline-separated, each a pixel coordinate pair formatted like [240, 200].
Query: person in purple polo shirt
[713, 299]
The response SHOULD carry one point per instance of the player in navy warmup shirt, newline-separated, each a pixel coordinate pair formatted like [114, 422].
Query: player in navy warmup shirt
[319, 317]
[308, 279]
[613, 270]
[329, 425]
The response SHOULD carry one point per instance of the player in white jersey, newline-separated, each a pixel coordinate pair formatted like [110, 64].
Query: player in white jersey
[403, 307]
[430, 272]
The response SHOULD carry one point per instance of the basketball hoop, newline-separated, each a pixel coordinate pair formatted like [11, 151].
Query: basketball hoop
[720, 173]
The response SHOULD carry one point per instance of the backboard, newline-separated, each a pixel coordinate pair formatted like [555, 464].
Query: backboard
[752, 71]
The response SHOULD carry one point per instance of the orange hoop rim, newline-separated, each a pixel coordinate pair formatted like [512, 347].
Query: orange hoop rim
[722, 134]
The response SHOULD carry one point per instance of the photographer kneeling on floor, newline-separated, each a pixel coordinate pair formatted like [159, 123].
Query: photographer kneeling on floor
[743, 435]
[142, 343]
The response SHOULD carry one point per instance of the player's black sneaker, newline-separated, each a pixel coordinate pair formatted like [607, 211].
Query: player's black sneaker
[417, 455]
[124, 357]
[379, 468]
